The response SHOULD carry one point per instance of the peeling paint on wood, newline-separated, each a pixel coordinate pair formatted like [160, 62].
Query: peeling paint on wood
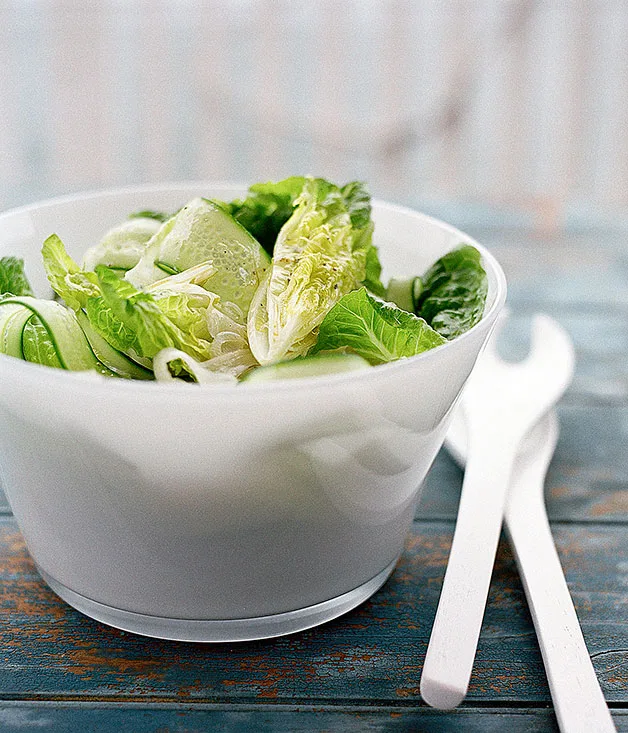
[373, 653]
[156, 718]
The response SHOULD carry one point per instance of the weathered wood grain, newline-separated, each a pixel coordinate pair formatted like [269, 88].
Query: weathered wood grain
[67, 717]
[199, 718]
[371, 656]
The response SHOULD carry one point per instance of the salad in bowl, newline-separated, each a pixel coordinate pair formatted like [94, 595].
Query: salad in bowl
[280, 284]
[218, 404]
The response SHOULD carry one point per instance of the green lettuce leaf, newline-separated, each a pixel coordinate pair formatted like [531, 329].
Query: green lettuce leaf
[111, 328]
[373, 271]
[267, 207]
[140, 315]
[314, 265]
[13, 277]
[358, 202]
[454, 292]
[378, 331]
[69, 281]
[80, 290]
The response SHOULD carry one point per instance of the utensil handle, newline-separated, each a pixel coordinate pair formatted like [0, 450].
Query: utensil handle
[453, 642]
[578, 699]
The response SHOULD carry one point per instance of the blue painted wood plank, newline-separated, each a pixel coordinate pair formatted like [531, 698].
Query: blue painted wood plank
[64, 717]
[72, 717]
[371, 656]
[15, 717]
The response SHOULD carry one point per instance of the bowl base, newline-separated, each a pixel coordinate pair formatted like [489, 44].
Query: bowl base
[220, 630]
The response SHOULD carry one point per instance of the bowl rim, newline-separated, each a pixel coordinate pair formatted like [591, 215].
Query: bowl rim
[91, 380]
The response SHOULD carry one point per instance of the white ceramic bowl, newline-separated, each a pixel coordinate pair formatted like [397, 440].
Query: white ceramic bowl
[223, 513]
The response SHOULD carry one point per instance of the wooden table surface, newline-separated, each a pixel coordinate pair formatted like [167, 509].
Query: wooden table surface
[60, 671]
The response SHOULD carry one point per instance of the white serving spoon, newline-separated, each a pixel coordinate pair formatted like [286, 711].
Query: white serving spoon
[578, 699]
[501, 402]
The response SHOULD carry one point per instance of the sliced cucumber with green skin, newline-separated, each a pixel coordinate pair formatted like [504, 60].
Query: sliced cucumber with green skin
[203, 231]
[404, 292]
[67, 338]
[399, 292]
[417, 289]
[37, 346]
[120, 364]
[308, 366]
[13, 320]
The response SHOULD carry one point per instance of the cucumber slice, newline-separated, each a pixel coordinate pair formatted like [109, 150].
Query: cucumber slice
[37, 346]
[417, 289]
[203, 231]
[400, 292]
[13, 320]
[120, 364]
[122, 247]
[308, 366]
[65, 334]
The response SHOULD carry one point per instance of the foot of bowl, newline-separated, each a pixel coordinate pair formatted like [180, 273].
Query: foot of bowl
[220, 630]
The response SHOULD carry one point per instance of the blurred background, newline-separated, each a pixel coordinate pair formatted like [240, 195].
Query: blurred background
[512, 109]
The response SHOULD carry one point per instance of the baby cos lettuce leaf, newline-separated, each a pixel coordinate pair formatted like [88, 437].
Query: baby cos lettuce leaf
[80, 290]
[378, 331]
[454, 292]
[267, 207]
[140, 314]
[13, 278]
[316, 261]
[71, 283]
[358, 202]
